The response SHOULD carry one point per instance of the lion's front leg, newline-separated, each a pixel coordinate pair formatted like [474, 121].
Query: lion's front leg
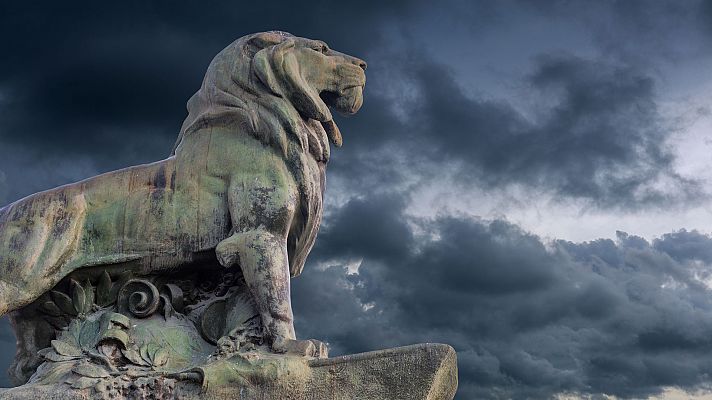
[263, 259]
[262, 256]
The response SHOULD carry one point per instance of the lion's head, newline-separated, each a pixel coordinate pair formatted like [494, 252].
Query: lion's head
[273, 82]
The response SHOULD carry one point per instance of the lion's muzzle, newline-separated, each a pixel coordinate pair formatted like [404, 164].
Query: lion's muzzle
[351, 79]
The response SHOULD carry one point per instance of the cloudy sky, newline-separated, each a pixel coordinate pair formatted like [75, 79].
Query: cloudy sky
[528, 181]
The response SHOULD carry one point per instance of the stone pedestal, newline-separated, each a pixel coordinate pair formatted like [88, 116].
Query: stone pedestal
[418, 372]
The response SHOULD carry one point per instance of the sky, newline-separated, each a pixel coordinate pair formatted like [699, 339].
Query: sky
[528, 181]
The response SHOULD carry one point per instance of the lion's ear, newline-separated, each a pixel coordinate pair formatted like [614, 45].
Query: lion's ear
[263, 70]
[303, 96]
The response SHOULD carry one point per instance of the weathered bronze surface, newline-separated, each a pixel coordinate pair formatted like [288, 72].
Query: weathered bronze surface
[156, 274]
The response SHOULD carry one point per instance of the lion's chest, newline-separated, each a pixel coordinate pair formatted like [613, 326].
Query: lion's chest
[219, 169]
[311, 179]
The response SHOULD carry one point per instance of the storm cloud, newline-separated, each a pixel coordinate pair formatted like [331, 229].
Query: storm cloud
[529, 318]
[110, 81]
[600, 136]
[569, 99]
[111, 93]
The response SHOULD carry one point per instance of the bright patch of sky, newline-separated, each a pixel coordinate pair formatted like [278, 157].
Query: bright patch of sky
[492, 63]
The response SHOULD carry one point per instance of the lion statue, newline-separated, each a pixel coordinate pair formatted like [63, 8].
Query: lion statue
[243, 185]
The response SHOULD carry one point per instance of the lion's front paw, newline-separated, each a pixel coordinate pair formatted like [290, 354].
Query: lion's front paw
[305, 348]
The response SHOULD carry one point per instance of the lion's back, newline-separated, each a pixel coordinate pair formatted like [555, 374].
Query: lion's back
[45, 236]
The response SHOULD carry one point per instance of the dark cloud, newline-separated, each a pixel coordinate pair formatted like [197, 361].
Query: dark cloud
[686, 246]
[89, 87]
[636, 31]
[706, 14]
[106, 84]
[529, 319]
[662, 30]
[599, 134]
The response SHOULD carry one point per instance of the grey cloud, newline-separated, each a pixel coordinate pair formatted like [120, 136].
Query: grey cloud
[602, 138]
[3, 187]
[89, 87]
[639, 32]
[106, 84]
[705, 14]
[686, 245]
[661, 30]
[114, 95]
[528, 319]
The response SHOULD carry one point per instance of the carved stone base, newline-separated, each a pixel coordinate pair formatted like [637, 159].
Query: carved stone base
[418, 372]
[194, 335]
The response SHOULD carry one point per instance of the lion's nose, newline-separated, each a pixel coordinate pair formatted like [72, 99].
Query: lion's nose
[361, 64]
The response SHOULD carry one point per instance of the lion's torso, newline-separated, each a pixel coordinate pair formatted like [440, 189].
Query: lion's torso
[159, 215]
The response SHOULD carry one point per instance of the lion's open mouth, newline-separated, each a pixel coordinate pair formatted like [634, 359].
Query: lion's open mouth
[348, 101]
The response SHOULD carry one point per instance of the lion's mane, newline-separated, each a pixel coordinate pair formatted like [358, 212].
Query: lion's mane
[232, 94]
